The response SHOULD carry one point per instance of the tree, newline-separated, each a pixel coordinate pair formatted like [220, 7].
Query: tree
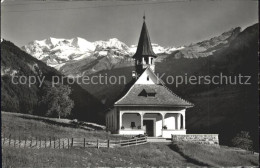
[57, 101]
[243, 140]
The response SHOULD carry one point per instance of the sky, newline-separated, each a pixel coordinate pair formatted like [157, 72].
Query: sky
[173, 23]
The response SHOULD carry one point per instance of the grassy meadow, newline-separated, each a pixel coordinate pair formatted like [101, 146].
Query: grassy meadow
[216, 156]
[27, 126]
[151, 154]
[147, 155]
[138, 156]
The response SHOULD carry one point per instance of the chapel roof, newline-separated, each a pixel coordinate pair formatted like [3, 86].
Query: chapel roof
[144, 47]
[163, 96]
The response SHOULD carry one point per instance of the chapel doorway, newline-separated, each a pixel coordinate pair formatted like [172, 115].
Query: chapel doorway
[149, 127]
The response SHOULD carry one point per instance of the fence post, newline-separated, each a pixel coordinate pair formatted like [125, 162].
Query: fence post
[45, 142]
[68, 143]
[14, 141]
[4, 139]
[40, 143]
[97, 144]
[63, 144]
[54, 142]
[19, 142]
[135, 141]
[59, 143]
[31, 142]
[108, 143]
[84, 143]
[50, 142]
[9, 139]
[36, 142]
[71, 142]
[25, 142]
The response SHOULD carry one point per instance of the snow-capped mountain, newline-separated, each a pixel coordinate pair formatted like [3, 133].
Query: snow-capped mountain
[111, 47]
[77, 56]
[56, 52]
[156, 48]
[111, 43]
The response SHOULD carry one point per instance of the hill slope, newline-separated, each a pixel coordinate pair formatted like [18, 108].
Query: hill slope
[148, 155]
[23, 98]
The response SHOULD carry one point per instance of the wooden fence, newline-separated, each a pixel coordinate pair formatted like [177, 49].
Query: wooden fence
[67, 143]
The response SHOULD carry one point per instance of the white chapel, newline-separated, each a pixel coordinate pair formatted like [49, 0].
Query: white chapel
[148, 107]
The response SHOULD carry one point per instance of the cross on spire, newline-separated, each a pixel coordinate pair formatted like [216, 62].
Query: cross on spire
[144, 16]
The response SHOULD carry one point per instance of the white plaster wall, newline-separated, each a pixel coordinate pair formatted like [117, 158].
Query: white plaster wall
[158, 131]
[143, 78]
[169, 121]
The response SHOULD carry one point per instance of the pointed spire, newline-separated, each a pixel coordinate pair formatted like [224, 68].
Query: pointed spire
[144, 47]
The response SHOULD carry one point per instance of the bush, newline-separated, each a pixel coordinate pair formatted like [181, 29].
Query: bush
[243, 140]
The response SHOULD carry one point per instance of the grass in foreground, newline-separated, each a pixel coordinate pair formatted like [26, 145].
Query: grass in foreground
[138, 156]
[215, 156]
[148, 155]
[151, 154]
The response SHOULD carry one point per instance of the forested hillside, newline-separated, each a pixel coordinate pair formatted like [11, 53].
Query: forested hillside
[23, 98]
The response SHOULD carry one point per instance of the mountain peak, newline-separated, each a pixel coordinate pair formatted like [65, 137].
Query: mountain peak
[83, 44]
[53, 41]
[113, 39]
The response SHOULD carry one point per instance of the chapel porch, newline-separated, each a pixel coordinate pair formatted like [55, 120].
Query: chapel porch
[154, 124]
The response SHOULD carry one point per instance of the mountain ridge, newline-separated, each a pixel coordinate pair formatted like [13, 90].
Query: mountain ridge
[67, 55]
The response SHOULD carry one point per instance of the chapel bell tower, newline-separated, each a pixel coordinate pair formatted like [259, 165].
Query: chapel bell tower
[144, 56]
